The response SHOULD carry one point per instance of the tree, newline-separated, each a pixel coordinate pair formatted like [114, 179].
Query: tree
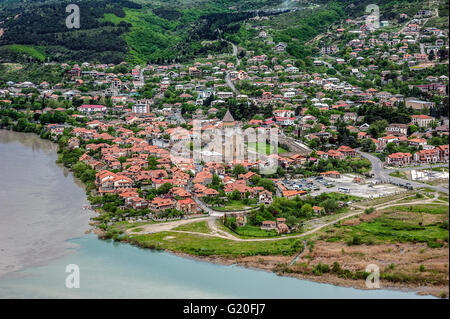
[377, 128]
[22, 125]
[267, 184]
[412, 129]
[216, 180]
[255, 179]
[152, 162]
[291, 221]
[306, 210]
[330, 205]
[239, 169]
[235, 195]
[431, 55]
[367, 145]
[164, 188]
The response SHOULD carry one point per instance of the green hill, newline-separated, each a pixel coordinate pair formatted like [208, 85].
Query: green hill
[141, 31]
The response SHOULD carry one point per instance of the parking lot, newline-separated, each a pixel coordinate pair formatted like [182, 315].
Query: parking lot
[367, 188]
[426, 175]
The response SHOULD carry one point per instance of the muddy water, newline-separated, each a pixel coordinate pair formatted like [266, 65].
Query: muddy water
[40, 203]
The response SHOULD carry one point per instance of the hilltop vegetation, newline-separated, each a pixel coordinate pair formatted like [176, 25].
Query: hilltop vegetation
[113, 31]
[141, 31]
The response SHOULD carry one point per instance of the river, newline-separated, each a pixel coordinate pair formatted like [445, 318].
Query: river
[42, 230]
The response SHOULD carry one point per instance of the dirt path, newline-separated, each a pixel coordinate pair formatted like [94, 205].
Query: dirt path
[217, 232]
[160, 227]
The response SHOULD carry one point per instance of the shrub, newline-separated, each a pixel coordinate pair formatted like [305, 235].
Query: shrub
[369, 210]
[422, 268]
[434, 244]
[356, 240]
[336, 268]
[320, 268]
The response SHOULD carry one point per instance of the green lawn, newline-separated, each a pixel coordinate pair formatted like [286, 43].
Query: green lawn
[421, 208]
[440, 169]
[198, 227]
[254, 231]
[398, 174]
[232, 205]
[33, 51]
[258, 147]
[209, 246]
[398, 224]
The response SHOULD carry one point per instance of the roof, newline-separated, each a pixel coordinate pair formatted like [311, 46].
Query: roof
[186, 201]
[330, 173]
[228, 117]
[85, 106]
[422, 116]
[399, 155]
[290, 193]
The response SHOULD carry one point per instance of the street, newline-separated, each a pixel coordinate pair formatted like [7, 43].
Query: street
[382, 174]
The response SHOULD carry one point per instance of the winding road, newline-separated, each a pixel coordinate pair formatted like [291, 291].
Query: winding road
[217, 232]
[227, 76]
[382, 174]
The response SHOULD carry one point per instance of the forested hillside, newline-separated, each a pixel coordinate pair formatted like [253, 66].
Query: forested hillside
[142, 31]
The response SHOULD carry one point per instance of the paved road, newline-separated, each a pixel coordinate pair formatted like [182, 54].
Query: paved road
[230, 84]
[227, 76]
[382, 174]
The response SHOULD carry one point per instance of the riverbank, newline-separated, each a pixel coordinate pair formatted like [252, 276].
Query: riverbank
[116, 270]
[330, 253]
[261, 255]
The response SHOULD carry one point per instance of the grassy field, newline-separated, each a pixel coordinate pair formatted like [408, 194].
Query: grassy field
[440, 169]
[421, 208]
[443, 196]
[258, 147]
[214, 246]
[198, 227]
[427, 223]
[35, 52]
[386, 199]
[232, 205]
[398, 174]
[249, 231]
[150, 36]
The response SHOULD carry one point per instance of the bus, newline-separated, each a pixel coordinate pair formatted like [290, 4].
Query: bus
[344, 189]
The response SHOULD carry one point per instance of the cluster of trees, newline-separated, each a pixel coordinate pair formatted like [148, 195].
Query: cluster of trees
[296, 210]
[373, 113]
[44, 24]
[358, 165]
